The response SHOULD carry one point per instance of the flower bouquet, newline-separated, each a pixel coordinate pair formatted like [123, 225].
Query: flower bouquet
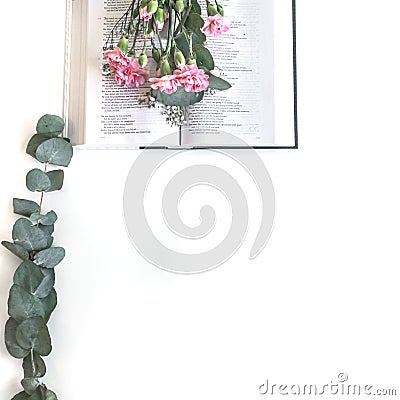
[176, 33]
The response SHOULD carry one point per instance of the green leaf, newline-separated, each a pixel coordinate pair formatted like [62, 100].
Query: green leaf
[196, 7]
[11, 341]
[48, 219]
[204, 57]
[49, 304]
[23, 305]
[56, 179]
[30, 385]
[183, 44]
[37, 181]
[217, 83]
[34, 143]
[40, 366]
[33, 333]
[21, 396]
[34, 280]
[50, 125]
[49, 258]
[179, 98]
[29, 236]
[55, 151]
[194, 22]
[25, 207]
[50, 395]
[48, 230]
[16, 249]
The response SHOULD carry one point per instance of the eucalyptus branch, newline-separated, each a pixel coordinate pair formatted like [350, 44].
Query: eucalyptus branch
[32, 297]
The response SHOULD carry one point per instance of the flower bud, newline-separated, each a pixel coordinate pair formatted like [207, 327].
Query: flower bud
[165, 67]
[191, 61]
[156, 54]
[220, 10]
[143, 60]
[211, 10]
[160, 18]
[179, 59]
[152, 6]
[179, 6]
[123, 44]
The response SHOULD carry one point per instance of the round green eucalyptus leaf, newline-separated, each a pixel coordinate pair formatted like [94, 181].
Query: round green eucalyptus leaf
[196, 7]
[48, 219]
[50, 125]
[29, 236]
[49, 258]
[21, 396]
[48, 230]
[37, 181]
[214, 82]
[204, 57]
[40, 366]
[55, 151]
[16, 249]
[179, 98]
[25, 207]
[39, 394]
[50, 395]
[183, 44]
[194, 22]
[30, 385]
[57, 180]
[23, 305]
[11, 341]
[32, 333]
[49, 304]
[35, 280]
[34, 143]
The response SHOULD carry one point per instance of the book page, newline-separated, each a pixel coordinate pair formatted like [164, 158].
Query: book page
[244, 56]
[114, 115]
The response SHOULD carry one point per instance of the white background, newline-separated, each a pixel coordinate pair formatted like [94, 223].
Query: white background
[321, 299]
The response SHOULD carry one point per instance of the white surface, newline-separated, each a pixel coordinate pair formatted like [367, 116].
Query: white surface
[322, 298]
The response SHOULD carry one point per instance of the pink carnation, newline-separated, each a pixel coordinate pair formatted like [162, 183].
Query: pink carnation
[127, 70]
[168, 84]
[116, 58]
[144, 14]
[192, 78]
[134, 75]
[216, 25]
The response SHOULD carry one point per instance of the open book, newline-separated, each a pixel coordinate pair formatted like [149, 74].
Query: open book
[256, 56]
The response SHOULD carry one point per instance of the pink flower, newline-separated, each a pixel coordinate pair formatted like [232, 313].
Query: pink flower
[168, 84]
[192, 78]
[127, 70]
[216, 25]
[134, 74]
[145, 15]
[116, 58]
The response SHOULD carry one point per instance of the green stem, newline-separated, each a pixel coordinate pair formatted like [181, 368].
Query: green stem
[42, 194]
[33, 365]
[170, 30]
[133, 48]
[184, 18]
[145, 36]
